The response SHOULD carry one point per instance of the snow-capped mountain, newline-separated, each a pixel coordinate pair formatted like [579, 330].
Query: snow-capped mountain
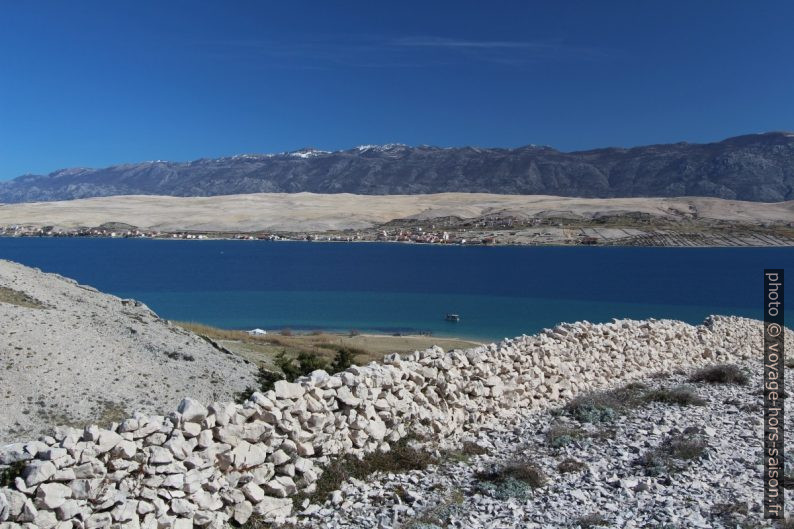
[757, 167]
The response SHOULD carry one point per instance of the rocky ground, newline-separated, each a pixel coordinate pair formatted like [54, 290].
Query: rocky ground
[70, 355]
[625, 471]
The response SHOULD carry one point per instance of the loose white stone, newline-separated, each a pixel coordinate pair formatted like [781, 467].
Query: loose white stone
[192, 410]
[288, 390]
[52, 495]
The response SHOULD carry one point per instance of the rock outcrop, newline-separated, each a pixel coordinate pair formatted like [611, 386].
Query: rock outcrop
[203, 466]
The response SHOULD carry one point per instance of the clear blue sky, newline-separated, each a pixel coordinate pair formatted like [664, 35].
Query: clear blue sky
[94, 83]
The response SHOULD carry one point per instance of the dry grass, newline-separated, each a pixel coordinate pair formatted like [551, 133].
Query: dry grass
[523, 471]
[673, 454]
[720, 374]
[591, 520]
[365, 347]
[680, 395]
[20, 299]
[559, 435]
[401, 458]
[570, 465]
[604, 406]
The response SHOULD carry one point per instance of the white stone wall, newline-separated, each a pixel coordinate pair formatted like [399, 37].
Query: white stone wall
[202, 466]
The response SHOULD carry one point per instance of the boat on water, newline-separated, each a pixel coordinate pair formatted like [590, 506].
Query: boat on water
[452, 317]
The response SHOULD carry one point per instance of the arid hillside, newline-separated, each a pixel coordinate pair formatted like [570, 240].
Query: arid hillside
[72, 356]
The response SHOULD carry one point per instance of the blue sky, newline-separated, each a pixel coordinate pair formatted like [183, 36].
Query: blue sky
[86, 83]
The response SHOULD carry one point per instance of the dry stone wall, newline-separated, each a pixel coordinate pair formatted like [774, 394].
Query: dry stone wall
[207, 465]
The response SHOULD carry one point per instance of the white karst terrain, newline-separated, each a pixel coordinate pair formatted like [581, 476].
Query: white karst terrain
[73, 356]
[677, 458]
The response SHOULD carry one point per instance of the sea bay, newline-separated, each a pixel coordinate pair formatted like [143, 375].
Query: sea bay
[404, 288]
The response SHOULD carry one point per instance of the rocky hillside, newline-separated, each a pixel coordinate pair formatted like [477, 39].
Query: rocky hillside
[70, 355]
[294, 446]
[756, 167]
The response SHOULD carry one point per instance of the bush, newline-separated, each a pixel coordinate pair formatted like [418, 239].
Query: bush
[344, 358]
[265, 380]
[305, 363]
[681, 395]
[720, 374]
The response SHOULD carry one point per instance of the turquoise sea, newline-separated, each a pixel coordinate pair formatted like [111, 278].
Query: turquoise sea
[389, 288]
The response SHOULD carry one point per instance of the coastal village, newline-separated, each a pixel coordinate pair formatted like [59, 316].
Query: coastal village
[481, 231]
[413, 234]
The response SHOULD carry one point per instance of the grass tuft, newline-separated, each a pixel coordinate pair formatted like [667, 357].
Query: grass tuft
[673, 454]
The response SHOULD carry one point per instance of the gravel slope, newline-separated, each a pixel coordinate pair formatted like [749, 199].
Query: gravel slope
[84, 356]
[723, 489]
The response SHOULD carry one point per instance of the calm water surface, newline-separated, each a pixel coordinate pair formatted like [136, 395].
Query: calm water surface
[498, 292]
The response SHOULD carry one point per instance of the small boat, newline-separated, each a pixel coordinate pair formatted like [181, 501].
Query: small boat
[452, 317]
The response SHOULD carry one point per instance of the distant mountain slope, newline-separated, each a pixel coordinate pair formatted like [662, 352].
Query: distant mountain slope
[757, 167]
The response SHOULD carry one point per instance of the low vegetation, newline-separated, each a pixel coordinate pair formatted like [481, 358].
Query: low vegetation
[290, 368]
[570, 465]
[465, 452]
[402, 457]
[590, 521]
[673, 455]
[20, 299]
[605, 406]
[439, 514]
[559, 435]
[513, 480]
[680, 395]
[11, 473]
[720, 374]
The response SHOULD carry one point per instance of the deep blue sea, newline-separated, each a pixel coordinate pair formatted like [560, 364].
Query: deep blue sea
[498, 291]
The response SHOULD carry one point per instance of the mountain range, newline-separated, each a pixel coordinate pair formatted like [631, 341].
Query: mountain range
[756, 167]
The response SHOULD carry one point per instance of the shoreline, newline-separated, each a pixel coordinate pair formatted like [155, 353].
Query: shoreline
[410, 243]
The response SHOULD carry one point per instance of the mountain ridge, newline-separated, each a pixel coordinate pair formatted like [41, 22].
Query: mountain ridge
[755, 167]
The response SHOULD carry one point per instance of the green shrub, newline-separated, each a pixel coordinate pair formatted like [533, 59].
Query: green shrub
[344, 358]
